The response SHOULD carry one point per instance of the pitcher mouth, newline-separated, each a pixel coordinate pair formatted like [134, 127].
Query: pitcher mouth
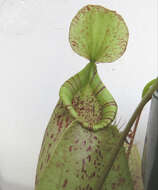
[88, 100]
[87, 106]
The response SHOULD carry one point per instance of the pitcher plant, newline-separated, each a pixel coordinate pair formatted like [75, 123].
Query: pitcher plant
[82, 147]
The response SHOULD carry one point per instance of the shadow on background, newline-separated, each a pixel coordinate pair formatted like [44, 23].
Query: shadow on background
[4, 185]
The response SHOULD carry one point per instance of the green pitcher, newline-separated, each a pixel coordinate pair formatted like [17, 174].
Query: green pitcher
[81, 134]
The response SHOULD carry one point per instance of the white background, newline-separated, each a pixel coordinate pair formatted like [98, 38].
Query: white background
[36, 58]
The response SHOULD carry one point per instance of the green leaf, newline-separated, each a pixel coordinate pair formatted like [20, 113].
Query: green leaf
[78, 141]
[147, 87]
[98, 34]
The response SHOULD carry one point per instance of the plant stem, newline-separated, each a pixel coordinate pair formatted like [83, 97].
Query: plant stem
[133, 135]
[124, 134]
